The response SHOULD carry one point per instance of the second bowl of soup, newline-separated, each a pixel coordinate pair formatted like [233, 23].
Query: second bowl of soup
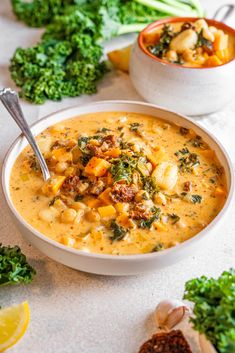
[185, 64]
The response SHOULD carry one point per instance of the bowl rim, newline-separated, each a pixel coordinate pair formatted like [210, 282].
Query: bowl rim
[132, 257]
[153, 25]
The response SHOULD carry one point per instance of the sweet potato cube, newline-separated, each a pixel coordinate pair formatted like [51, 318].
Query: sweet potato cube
[53, 185]
[125, 221]
[107, 211]
[160, 226]
[92, 202]
[213, 61]
[114, 153]
[97, 167]
[221, 41]
[104, 196]
[223, 55]
[122, 207]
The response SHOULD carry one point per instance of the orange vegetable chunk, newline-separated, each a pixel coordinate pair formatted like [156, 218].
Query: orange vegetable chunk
[97, 167]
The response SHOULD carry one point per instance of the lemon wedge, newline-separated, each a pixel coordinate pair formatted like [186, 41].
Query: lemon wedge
[13, 324]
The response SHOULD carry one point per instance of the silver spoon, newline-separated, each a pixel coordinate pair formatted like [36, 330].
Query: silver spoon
[224, 12]
[10, 100]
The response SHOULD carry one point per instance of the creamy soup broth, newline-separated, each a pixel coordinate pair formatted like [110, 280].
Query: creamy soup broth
[122, 183]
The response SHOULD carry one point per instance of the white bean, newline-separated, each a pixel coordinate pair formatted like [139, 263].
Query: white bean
[165, 175]
[184, 40]
[68, 216]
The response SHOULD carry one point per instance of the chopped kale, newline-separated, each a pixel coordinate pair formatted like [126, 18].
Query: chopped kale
[52, 201]
[134, 126]
[214, 313]
[149, 185]
[14, 268]
[78, 197]
[118, 231]
[162, 46]
[122, 168]
[154, 217]
[103, 130]
[197, 141]
[203, 42]
[188, 162]
[174, 217]
[158, 247]
[196, 199]
[183, 151]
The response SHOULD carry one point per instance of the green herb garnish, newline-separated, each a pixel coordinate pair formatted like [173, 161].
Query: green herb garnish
[134, 127]
[118, 231]
[154, 217]
[174, 217]
[162, 46]
[122, 168]
[214, 310]
[196, 198]
[158, 247]
[14, 268]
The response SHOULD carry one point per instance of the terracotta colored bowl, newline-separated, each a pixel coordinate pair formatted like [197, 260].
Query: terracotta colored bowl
[189, 90]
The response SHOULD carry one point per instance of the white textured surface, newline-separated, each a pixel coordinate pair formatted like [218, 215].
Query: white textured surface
[73, 312]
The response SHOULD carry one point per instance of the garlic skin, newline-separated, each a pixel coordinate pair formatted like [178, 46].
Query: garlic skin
[170, 312]
[206, 346]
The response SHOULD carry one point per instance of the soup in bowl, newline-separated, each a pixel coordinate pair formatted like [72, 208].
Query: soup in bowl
[190, 44]
[185, 64]
[129, 181]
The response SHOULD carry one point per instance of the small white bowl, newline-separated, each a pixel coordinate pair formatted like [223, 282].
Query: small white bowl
[188, 90]
[111, 264]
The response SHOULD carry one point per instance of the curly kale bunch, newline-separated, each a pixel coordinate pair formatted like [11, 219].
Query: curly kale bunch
[67, 62]
[214, 309]
[14, 268]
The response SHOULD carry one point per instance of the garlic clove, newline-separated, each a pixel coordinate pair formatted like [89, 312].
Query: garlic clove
[206, 346]
[170, 312]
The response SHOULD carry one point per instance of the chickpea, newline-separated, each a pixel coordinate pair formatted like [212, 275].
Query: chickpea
[92, 216]
[68, 216]
[48, 214]
[61, 167]
[171, 55]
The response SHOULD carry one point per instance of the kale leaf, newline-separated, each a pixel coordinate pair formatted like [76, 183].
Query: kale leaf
[118, 231]
[214, 310]
[122, 168]
[14, 268]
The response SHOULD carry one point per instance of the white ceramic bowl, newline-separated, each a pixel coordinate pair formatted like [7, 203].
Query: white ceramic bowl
[110, 264]
[190, 91]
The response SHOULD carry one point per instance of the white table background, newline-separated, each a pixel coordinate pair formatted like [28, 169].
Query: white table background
[74, 312]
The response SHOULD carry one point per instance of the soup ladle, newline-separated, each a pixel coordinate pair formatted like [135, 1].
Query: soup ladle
[10, 100]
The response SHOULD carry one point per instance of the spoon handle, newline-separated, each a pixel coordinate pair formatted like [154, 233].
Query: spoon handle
[10, 100]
